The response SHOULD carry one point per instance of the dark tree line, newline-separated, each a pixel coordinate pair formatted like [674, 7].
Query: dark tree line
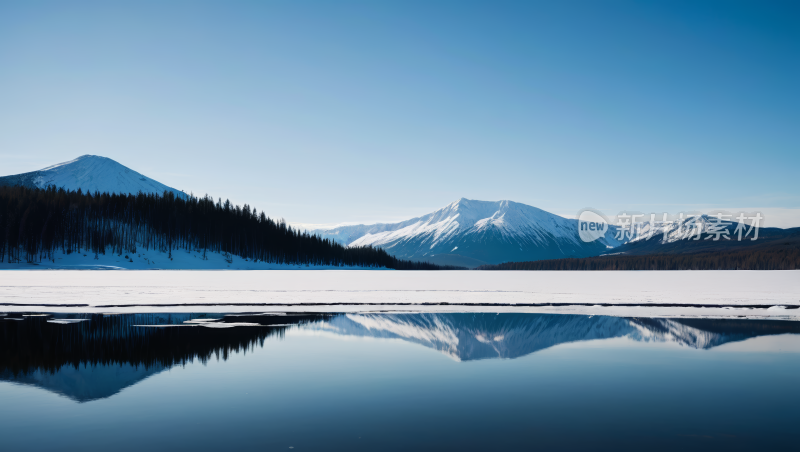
[37, 223]
[31, 343]
[775, 257]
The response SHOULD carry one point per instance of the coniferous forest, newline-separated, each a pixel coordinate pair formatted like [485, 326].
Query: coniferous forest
[37, 223]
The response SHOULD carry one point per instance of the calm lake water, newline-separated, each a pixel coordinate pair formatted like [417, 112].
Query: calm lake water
[397, 382]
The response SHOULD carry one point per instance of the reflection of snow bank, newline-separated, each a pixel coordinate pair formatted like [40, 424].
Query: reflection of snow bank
[207, 325]
[228, 325]
[66, 321]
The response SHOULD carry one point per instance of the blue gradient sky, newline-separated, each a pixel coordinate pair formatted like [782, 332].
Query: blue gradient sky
[325, 112]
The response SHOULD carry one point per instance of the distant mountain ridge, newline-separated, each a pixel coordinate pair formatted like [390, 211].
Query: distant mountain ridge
[775, 249]
[697, 235]
[90, 173]
[471, 233]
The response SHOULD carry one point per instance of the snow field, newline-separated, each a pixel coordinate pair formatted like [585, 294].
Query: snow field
[724, 294]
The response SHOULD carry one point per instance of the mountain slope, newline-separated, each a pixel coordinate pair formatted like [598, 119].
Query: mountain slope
[471, 233]
[90, 173]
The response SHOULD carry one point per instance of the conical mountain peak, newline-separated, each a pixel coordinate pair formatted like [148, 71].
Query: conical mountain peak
[90, 173]
[472, 232]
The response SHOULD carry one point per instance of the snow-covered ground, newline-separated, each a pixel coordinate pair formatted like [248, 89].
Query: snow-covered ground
[156, 260]
[723, 294]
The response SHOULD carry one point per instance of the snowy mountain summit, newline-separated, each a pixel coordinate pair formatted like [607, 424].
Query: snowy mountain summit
[90, 173]
[471, 233]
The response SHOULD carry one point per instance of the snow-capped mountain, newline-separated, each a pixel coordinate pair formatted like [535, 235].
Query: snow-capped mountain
[471, 233]
[90, 173]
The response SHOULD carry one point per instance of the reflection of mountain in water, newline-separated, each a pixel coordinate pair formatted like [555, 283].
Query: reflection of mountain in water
[103, 354]
[479, 336]
[85, 383]
[708, 333]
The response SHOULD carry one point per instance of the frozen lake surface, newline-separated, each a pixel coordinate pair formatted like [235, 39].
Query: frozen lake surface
[721, 294]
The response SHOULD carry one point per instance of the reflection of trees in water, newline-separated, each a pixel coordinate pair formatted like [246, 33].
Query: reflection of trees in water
[34, 344]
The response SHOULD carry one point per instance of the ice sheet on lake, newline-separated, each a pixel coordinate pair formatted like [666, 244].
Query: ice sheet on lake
[641, 293]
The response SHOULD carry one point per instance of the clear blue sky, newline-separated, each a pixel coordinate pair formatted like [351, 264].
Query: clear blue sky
[336, 111]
